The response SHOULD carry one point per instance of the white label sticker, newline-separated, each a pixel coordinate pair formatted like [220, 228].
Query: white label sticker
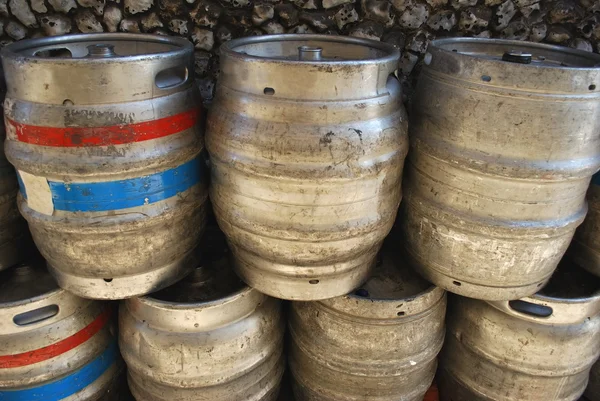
[39, 197]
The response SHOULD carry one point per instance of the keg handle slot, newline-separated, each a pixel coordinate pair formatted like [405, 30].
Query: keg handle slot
[54, 52]
[171, 77]
[36, 315]
[530, 309]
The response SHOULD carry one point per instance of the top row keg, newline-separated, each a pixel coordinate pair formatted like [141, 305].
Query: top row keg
[307, 138]
[505, 137]
[102, 130]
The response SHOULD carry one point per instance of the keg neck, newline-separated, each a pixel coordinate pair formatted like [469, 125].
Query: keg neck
[515, 65]
[111, 68]
[308, 67]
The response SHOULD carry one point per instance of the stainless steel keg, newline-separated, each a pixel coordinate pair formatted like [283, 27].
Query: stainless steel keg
[103, 131]
[585, 248]
[505, 137]
[536, 348]
[307, 137]
[207, 338]
[592, 393]
[378, 344]
[15, 241]
[53, 345]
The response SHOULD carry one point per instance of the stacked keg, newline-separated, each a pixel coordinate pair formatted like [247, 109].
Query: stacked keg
[307, 138]
[504, 142]
[103, 131]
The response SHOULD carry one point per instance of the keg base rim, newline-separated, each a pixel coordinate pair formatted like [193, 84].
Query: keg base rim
[122, 287]
[478, 291]
[302, 288]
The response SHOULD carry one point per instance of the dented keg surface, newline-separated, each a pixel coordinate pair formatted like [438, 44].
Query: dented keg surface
[14, 236]
[536, 348]
[208, 337]
[53, 344]
[307, 137]
[103, 132]
[592, 393]
[378, 344]
[585, 248]
[505, 137]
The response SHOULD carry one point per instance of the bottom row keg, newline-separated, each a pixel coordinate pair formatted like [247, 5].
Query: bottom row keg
[378, 344]
[539, 348]
[54, 345]
[207, 338]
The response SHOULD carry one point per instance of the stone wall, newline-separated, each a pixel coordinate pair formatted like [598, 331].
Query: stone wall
[408, 24]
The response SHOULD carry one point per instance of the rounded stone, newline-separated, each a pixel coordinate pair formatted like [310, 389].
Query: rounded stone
[203, 39]
[538, 32]
[517, 30]
[39, 6]
[178, 26]
[112, 17]
[54, 25]
[137, 6]
[288, 15]
[367, 30]
[504, 14]
[21, 10]
[63, 6]
[414, 17]
[86, 22]
[129, 25]
[473, 19]
[320, 20]
[96, 5]
[262, 12]
[15, 30]
[558, 34]
[273, 28]
[346, 15]
[206, 14]
[443, 20]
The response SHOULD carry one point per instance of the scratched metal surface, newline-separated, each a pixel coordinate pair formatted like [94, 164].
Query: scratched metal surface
[307, 157]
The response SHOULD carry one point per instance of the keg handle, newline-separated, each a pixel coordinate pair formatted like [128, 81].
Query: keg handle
[37, 315]
[530, 309]
[171, 77]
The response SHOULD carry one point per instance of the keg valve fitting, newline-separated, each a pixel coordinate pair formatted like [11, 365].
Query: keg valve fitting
[309, 53]
[101, 50]
[517, 57]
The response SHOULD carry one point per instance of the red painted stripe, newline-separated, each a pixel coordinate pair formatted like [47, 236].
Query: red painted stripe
[66, 137]
[51, 351]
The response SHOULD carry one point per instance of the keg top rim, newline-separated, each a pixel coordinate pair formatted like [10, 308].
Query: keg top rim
[150, 301]
[389, 54]
[570, 284]
[31, 49]
[572, 295]
[26, 283]
[393, 291]
[392, 281]
[553, 56]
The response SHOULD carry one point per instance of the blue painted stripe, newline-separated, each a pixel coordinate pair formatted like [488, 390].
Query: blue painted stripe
[69, 385]
[123, 194]
[596, 179]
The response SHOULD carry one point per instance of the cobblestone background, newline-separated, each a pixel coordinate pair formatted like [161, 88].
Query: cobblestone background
[408, 24]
